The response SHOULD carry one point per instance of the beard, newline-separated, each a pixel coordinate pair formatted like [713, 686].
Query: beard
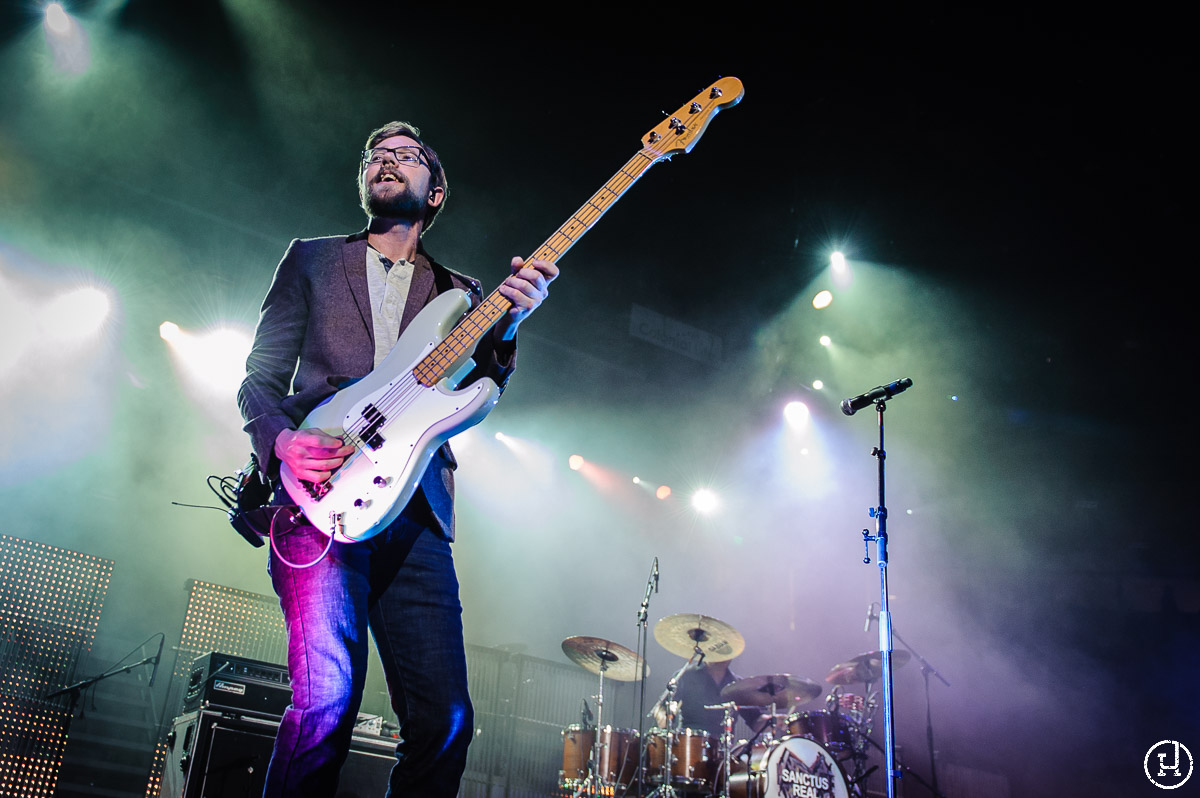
[400, 202]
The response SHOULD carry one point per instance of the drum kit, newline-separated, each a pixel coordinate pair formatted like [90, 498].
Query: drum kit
[793, 750]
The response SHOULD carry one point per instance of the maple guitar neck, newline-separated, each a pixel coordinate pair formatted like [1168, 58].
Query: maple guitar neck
[678, 134]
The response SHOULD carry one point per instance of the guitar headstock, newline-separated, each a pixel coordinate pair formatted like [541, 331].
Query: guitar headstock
[680, 131]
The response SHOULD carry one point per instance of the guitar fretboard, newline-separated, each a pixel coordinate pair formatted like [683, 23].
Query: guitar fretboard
[466, 335]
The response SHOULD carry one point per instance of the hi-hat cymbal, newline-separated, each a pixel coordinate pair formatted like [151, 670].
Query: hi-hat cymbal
[595, 654]
[681, 634]
[864, 668]
[780, 689]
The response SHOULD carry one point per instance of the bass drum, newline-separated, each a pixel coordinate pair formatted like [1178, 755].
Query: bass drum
[793, 766]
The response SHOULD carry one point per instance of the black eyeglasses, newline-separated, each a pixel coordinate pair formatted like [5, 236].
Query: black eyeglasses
[408, 155]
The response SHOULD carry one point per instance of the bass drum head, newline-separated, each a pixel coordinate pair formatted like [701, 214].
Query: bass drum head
[797, 767]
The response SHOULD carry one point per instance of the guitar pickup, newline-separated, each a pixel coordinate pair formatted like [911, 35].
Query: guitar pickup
[370, 435]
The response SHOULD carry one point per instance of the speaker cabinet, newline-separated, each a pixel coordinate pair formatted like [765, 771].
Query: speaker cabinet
[214, 755]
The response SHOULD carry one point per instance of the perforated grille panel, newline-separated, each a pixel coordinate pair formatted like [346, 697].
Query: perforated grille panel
[50, 602]
[227, 620]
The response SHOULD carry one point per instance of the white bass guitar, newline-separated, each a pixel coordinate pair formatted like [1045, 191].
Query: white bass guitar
[398, 415]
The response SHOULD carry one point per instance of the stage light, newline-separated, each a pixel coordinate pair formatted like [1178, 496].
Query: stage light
[67, 41]
[818, 385]
[500, 436]
[637, 480]
[796, 414]
[77, 314]
[216, 359]
[663, 492]
[825, 340]
[58, 21]
[221, 358]
[837, 262]
[822, 299]
[575, 462]
[705, 501]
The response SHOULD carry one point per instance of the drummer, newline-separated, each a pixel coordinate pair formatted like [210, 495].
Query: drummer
[700, 686]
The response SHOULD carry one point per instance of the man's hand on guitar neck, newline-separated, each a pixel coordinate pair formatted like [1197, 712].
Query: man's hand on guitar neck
[310, 454]
[525, 288]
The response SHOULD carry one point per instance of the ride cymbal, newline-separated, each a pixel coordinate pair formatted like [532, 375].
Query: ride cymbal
[683, 633]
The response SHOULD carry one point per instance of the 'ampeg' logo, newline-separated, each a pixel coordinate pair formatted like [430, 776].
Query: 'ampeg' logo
[805, 781]
[1168, 764]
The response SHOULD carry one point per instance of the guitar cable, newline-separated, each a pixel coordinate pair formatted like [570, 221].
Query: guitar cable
[286, 561]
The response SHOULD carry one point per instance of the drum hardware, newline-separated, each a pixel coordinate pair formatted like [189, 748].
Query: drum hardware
[666, 714]
[726, 744]
[600, 656]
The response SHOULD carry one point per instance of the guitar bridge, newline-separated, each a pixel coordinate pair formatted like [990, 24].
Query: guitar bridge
[316, 490]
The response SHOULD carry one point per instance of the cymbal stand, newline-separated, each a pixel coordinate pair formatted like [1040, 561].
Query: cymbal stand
[592, 781]
[665, 789]
[726, 745]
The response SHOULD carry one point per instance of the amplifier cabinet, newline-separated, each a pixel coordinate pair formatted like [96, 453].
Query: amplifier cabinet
[216, 755]
[238, 684]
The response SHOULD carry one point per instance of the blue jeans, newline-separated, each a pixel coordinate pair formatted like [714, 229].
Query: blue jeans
[401, 585]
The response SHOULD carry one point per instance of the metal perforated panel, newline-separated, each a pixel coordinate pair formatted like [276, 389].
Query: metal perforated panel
[50, 602]
[227, 620]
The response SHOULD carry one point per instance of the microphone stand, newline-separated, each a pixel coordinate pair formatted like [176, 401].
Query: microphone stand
[879, 513]
[926, 670]
[75, 690]
[643, 616]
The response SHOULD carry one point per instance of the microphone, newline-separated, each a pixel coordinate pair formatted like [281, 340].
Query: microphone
[655, 574]
[870, 617]
[585, 715]
[855, 403]
[162, 638]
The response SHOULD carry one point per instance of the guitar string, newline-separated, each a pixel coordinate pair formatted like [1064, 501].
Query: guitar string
[409, 387]
[401, 396]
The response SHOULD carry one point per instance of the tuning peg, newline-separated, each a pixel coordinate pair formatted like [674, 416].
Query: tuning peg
[694, 108]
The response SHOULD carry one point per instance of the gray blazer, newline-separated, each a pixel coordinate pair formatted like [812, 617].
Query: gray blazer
[315, 335]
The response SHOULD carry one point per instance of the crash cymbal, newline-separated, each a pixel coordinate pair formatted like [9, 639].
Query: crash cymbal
[864, 668]
[780, 689]
[594, 653]
[681, 634]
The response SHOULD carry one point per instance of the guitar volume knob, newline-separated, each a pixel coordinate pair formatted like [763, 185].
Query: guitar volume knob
[380, 482]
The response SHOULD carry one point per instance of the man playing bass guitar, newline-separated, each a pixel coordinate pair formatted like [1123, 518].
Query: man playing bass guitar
[335, 308]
